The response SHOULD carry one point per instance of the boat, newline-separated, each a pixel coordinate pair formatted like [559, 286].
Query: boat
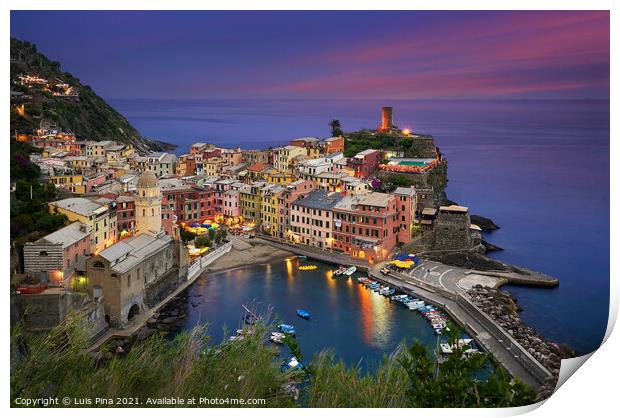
[304, 314]
[302, 257]
[386, 291]
[350, 271]
[287, 329]
[362, 279]
[293, 363]
[340, 271]
[463, 343]
[277, 337]
[309, 267]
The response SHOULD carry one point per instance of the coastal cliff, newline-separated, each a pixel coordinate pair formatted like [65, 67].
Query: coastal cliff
[57, 98]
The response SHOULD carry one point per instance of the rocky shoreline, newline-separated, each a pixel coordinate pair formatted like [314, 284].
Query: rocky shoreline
[502, 307]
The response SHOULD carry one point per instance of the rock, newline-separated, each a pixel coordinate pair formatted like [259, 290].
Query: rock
[145, 332]
[485, 224]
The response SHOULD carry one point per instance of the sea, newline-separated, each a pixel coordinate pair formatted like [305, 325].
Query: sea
[538, 168]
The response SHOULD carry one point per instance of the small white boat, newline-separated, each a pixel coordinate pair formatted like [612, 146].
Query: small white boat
[277, 337]
[339, 271]
[350, 271]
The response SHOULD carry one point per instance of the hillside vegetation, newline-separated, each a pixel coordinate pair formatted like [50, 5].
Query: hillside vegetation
[89, 117]
[56, 364]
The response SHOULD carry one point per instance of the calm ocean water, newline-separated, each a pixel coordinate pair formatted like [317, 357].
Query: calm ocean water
[539, 169]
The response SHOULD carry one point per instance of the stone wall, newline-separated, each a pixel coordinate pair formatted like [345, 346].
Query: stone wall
[157, 291]
[46, 310]
[452, 232]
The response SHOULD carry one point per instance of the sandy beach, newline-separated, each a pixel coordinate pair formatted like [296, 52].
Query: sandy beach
[245, 253]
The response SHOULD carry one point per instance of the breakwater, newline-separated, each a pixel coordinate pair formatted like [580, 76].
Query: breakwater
[517, 360]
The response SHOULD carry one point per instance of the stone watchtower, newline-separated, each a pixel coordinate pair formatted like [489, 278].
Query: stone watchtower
[148, 204]
[452, 229]
[386, 119]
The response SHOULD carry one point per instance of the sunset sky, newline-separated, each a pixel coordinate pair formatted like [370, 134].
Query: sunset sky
[327, 55]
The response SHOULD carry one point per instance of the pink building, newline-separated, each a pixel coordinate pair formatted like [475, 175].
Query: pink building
[94, 181]
[366, 226]
[227, 198]
[197, 148]
[312, 218]
[293, 191]
[55, 258]
[365, 163]
[406, 206]
[230, 203]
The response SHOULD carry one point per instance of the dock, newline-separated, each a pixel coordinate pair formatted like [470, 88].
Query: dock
[450, 296]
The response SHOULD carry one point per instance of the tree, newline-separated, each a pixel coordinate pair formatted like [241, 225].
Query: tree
[202, 241]
[186, 235]
[452, 383]
[224, 234]
[211, 233]
[335, 126]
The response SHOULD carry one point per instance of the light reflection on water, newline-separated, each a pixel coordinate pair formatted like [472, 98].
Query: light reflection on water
[356, 322]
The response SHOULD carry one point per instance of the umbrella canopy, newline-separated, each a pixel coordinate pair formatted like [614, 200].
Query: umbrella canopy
[403, 264]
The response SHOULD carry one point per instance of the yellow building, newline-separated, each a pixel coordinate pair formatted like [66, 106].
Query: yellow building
[269, 208]
[97, 149]
[283, 157]
[73, 183]
[81, 163]
[94, 215]
[277, 177]
[213, 166]
[250, 201]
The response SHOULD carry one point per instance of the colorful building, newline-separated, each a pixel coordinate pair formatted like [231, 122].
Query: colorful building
[365, 163]
[186, 165]
[406, 207]
[311, 218]
[366, 226]
[283, 157]
[54, 258]
[270, 196]
[291, 193]
[250, 201]
[96, 217]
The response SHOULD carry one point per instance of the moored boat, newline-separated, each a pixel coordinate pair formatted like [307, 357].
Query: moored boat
[287, 329]
[350, 271]
[308, 267]
[303, 314]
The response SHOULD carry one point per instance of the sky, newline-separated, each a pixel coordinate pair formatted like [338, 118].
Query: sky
[327, 54]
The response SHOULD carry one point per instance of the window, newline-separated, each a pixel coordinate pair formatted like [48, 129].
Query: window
[98, 265]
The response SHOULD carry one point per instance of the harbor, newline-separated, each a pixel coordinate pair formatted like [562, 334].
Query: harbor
[518, 361]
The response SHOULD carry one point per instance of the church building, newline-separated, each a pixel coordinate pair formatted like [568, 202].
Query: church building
[137, 272]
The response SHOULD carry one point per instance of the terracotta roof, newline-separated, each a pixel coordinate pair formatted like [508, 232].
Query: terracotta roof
[257, 167]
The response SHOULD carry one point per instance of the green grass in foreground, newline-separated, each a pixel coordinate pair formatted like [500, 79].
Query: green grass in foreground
[55, 364]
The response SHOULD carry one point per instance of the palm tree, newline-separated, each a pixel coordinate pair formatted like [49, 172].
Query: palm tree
[335, 125]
